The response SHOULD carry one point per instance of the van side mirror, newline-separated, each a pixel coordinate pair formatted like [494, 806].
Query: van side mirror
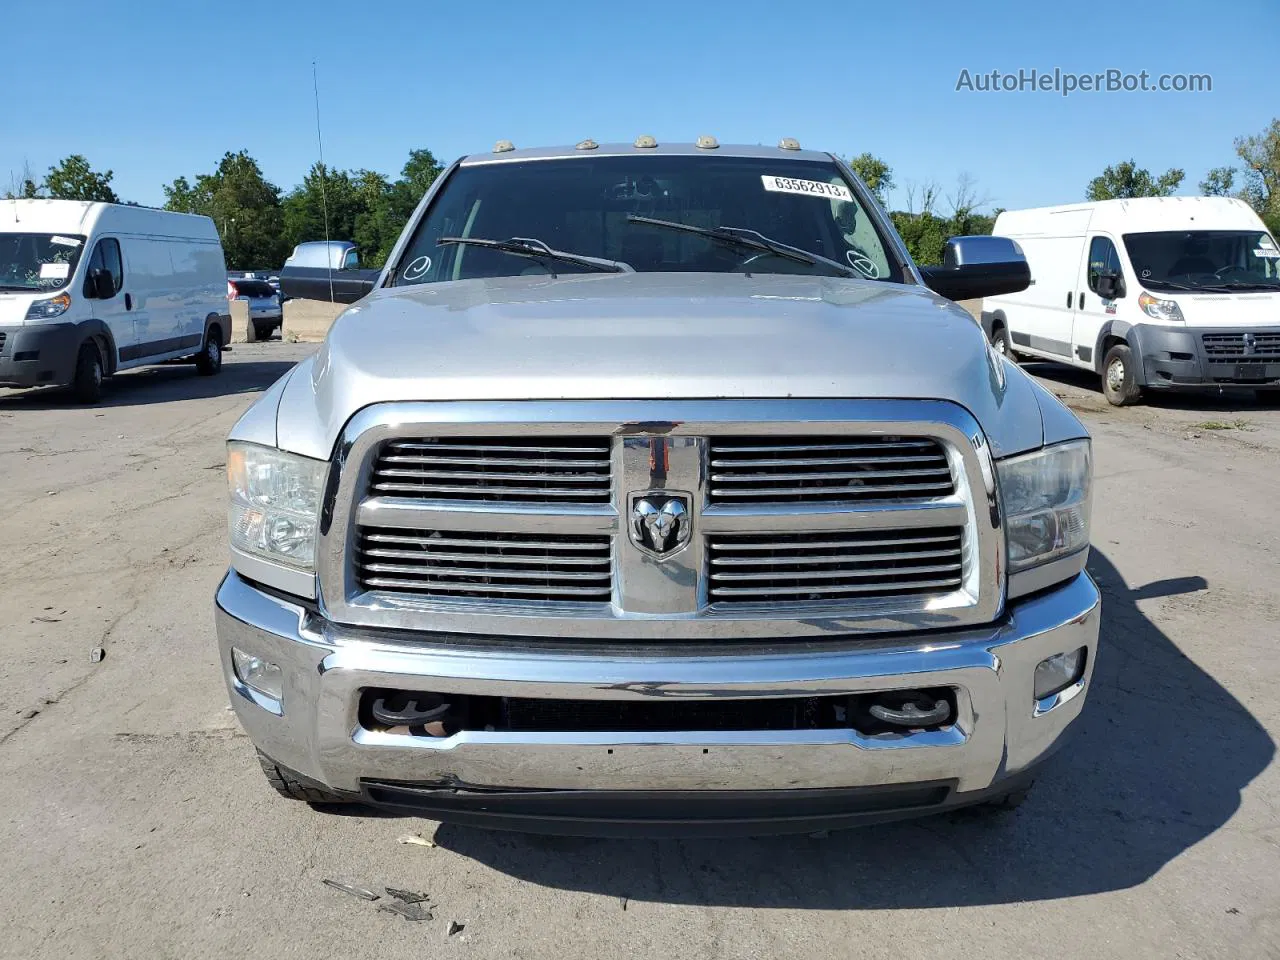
[102, 286]
[974, 267]
[1109, 286]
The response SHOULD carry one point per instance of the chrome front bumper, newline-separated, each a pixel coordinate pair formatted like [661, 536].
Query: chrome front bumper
[314, 728]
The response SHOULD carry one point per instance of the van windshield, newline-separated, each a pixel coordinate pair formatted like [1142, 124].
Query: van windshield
[651, 214]
[1205, 259]
[38, 262]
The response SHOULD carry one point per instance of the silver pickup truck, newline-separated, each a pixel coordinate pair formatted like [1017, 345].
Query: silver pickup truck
[654, 488]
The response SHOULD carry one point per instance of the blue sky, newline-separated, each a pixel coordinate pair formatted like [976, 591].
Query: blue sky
[165, 90]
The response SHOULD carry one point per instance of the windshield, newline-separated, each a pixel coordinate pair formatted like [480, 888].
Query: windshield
[1177, 259]
[587, 205]
[38, 262]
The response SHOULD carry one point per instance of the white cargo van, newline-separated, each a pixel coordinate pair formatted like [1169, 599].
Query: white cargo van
[89, 289]
[1156, 293]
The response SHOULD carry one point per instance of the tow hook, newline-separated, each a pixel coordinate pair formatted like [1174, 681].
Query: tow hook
[911, 709]
[425, 713]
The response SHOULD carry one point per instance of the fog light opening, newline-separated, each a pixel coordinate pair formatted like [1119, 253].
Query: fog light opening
[1054, 674]
[259, 675]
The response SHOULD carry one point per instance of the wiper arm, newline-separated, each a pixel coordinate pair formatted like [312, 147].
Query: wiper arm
[748, 239]
[14, 286]
[537, 250]
[1171, 283]
[1248, 285]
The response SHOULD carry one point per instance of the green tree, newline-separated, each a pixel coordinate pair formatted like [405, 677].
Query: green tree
[1127, 180]
[244, 206]
[1261, 156]
[875, 173]
[73, 179]
[1218, 182]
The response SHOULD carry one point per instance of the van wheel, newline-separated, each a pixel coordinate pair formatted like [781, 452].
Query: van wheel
[1119, 385]
[1002, 343]
[209, 360]
[263, 331]
[87, 385]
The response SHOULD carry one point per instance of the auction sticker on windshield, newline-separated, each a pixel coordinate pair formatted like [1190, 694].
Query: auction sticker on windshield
[54, 271]
[809, 188]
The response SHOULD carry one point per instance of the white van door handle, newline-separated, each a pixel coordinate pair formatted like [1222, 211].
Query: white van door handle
[128, 302]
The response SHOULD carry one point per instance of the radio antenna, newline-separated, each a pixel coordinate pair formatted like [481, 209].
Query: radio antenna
[324, 196]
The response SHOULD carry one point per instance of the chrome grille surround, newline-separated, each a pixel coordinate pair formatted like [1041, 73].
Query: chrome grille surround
[662, 445]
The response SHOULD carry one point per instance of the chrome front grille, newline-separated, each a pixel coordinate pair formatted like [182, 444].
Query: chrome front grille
[827, 469]
[496, 469]
[800, 519]
[1242, 347]
[452, 564]
[769, 568]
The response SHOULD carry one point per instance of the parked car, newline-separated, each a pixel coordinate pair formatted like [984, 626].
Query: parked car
[90, 289]
[655, 488]
[326, 270]
[264, 304]
[1156, 293]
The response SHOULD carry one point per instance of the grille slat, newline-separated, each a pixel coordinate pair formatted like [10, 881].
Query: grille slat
[502, 566]
[558, 470]
[1230, 347]
[797, 568]
[828, 470]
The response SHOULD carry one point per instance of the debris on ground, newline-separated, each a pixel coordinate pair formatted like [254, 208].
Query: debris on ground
[364, 893]
[416, 840]
[96, 655]
[407, 896]
[454, 927]
[410, 911]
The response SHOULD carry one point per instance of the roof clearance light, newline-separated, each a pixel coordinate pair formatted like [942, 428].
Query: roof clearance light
[788, 143]
[646, 142]
[707, 143]
[587, 144]
[503, 146]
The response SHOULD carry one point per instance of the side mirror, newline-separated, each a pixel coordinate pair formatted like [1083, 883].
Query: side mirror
[1109, 286]
[102, 285]
[974, 267]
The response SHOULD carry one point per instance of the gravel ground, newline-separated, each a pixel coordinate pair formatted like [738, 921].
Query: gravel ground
[134, 820]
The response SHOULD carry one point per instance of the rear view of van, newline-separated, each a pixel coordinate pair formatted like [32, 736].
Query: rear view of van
[90, 289]
[1155, 293]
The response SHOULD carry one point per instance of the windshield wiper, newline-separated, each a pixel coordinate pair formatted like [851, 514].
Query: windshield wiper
[537, 250]
[1248, 285]
[1151, 281]
[747, 239]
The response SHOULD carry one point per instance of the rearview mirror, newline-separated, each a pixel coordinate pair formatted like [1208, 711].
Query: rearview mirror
[974, 267]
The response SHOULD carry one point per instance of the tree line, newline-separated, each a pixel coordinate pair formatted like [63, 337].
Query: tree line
[260, 223]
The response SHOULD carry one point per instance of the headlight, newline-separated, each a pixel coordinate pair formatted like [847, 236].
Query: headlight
[1158, 309]
[1046, 502]
[47, 309]
[275, 503]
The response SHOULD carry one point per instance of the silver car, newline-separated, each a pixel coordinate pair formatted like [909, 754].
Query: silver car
[653, 489]
[263, 299]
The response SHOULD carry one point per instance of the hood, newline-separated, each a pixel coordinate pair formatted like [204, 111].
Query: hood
[1246, 309]
[654, 336]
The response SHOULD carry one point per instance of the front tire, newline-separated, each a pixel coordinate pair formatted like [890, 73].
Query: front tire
[87, 385]
[1119, 383]
[290, 785]
[209, 360]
